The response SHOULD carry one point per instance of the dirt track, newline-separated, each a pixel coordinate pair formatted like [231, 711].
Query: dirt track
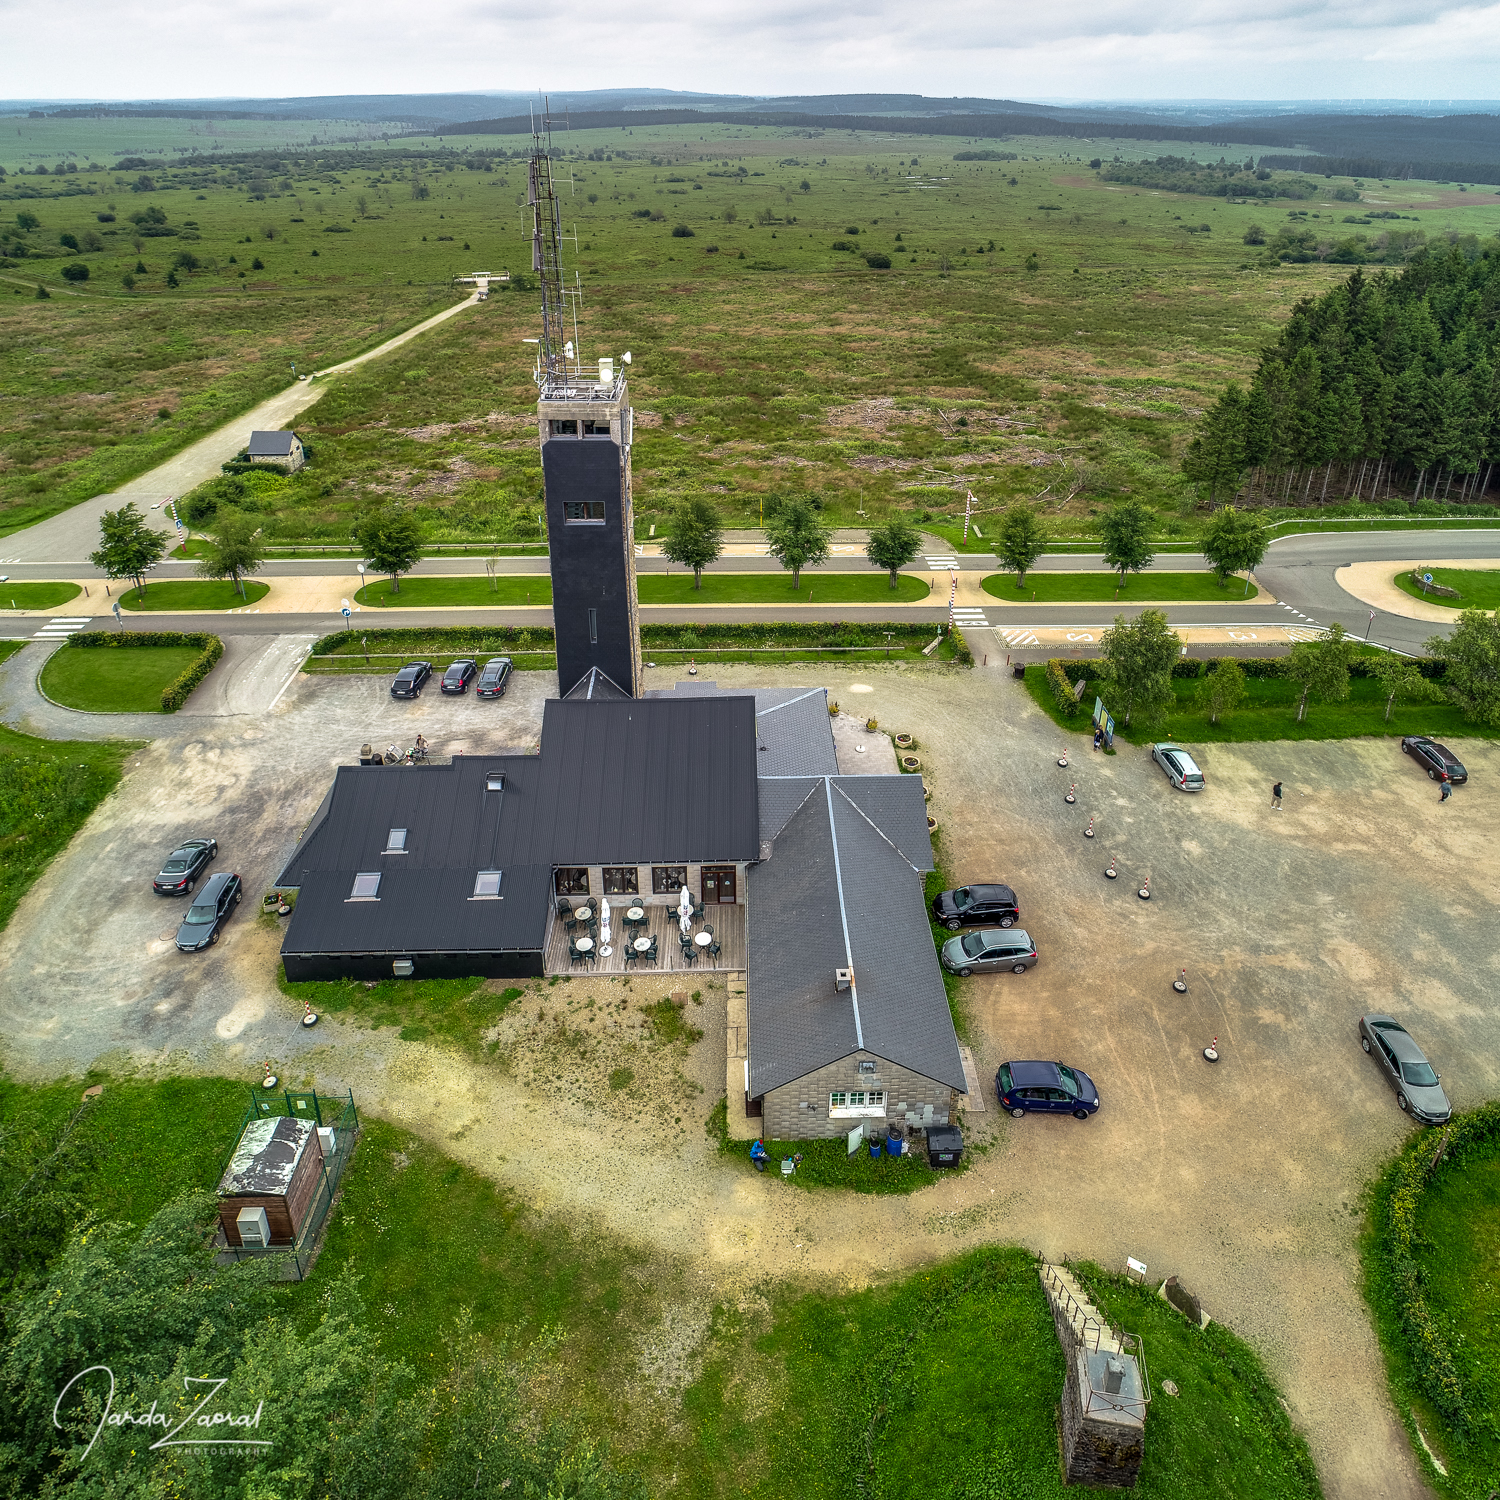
[1244, 1179]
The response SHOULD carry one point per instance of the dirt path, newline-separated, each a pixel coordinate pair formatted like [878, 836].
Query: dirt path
[69, 537]
[1244, 1178]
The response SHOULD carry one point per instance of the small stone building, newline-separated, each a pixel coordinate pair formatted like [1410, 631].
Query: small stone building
[276, 1168]
[280, 450]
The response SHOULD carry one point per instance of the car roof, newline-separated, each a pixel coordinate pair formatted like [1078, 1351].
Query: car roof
[1033, 1074]
[411, 666]
[495, 661]
[1004, 934]
[191, 844]
[1404, 1045]
[214, 884]
[1003, 892]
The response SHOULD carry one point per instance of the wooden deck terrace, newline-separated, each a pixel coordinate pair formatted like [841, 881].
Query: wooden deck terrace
[728, 923]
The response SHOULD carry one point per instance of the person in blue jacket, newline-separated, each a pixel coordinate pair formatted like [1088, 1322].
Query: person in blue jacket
[759, 1155]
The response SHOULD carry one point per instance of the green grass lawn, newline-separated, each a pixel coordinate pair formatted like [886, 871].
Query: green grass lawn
[48, 788]
[776, 588]
[1478, 588]
[1148, 587]
[441, 592]
[454, 1009]
[9, 648]
[115, 682]
[1269, 712]
[193, 593]
[37, 595]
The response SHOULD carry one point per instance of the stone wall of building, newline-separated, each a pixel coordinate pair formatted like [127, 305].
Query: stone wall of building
[800, 1110]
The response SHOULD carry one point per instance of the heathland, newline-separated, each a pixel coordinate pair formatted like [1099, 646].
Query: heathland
[1039, 332]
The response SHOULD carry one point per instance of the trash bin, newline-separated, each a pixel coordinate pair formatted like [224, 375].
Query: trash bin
[894, 1145]
[874, 1150]
[945, 1145]
[1018, 669]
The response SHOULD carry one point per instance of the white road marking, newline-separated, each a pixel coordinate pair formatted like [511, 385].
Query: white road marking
[285, 685]
[1020, 637]
[942, 562]
[62, 627]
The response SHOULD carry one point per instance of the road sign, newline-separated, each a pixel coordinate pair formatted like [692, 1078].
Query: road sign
[116, 608]
[345, 611]
[1427, 578]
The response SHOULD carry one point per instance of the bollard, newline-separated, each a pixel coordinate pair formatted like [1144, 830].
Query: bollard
[1111, 873]
[1088, 832]
[309, 1015]
[1062, 759]
[1145, 891]
[1180, 984]
[1211, 1052]
[1071, 797]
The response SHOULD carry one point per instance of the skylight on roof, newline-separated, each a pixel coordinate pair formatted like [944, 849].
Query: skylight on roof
[395, 841]
[486, 885]
[495, 781]
[366, 887]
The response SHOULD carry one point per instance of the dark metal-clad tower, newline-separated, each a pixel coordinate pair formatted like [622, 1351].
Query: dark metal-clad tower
[585, 425]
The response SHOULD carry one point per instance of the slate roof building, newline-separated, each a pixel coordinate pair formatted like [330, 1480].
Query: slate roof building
[281, 450]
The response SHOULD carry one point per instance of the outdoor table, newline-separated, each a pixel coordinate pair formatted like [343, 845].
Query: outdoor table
[636, 913]
[605, 951]
[583, 913]
[704, 939]
[642, 944]
[585, 945]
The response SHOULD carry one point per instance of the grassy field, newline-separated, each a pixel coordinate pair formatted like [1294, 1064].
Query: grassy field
[1139, 588]
[189, 593]
[115, 682]
[1269, 712]
[776, 588]
[1477, 588]
[454, 1009]
[48, 788]
[449, 592]
[807, 372]
[37, 595]
[942, 1382]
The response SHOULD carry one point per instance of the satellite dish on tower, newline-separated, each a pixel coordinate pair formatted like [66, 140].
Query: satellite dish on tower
[627, 356]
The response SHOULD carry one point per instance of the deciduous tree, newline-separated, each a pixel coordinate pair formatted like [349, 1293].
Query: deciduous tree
[1234, 541]
[392, 542]
[128, 545]
[1221, 691]
[696, 537]
[235, 548]
[797, 539]
[1402, 678]
[1139, 655]
[893, 546]
[1021, 539]
[1472, 680]
[1126, 531]
[1322, 668]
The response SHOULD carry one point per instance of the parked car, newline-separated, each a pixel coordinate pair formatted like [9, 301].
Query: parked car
[209, 912]
[1437, 760]
[1046, 1087]
[988, 948]
[1418, 1086]
[410, 678]
[976, 906]
[1182, 770]
[184, 866]
[494, 678]
[458, 676]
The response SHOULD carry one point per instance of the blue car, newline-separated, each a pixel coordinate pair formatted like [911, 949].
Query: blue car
[1053, 1088]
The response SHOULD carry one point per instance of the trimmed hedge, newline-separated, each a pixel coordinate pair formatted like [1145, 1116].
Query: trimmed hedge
[1090, 668]
[175, 694]
[961, 652]
[1397, 1202]
[1061, 681]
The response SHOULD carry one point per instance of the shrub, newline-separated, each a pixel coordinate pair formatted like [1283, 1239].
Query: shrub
[878, 261]
[185, 260]
[961, 653]
[75, 271]
[681, 232]
[1062, 687]
[67, 240]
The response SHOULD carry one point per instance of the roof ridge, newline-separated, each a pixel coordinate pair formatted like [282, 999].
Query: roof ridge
[798, 699]
[871, 821]
[838, 881]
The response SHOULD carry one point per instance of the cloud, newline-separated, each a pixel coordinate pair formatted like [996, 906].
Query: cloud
[1112, 49]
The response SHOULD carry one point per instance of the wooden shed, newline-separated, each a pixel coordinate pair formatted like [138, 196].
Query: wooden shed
[276, 1168]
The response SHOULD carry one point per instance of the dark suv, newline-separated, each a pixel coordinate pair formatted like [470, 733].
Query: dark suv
[210, 910]
[410, 678]
[976, 906]
[458, 676]
[494, 679]
[1437, 760]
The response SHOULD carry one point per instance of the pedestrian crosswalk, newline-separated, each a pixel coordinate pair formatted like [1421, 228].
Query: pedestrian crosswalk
[1020, 637]
[968, 617]
[62, 626]
[939, 562]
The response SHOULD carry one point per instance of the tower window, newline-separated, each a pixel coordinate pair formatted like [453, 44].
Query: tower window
[564, 427]
[583, 512]
[596, 429]
[593, 627]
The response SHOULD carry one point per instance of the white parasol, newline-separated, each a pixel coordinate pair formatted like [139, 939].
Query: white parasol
[604, 936]
[684, 921]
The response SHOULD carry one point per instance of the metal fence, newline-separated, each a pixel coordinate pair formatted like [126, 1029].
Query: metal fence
[336, 1113]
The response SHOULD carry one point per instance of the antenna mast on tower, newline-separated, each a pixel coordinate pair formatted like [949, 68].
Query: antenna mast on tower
[556, 353]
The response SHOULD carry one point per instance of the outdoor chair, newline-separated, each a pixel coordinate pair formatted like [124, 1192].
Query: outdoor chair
[690, 954]
[570, 922]
[631, 956]
[650, 954]
[564, 907]
[708, 928]
[713, 948]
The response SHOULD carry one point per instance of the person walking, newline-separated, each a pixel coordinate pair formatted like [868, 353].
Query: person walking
[1276, 796]
[1447, 786]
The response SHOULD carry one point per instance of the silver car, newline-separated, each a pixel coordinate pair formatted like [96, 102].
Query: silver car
[1182, 770]
[1419, 1089]
[985, 948]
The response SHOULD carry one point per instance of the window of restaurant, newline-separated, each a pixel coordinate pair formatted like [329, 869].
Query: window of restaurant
[667, 880]
[586, 512]
[573, 881]
[623, 880]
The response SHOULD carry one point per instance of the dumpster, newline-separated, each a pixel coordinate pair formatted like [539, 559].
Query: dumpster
[945, 1145]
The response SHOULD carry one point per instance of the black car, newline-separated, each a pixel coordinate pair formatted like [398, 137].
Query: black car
[209, 912]
[1437, 760]
[1051, 1088]
[1419, 1089]
[494, 679]
[409, 679]
[976, 906]
[458, 677]
[184, 867]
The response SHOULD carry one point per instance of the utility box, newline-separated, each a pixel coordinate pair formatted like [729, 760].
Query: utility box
[254, 1228]
[945, 1145]
[274, 1172]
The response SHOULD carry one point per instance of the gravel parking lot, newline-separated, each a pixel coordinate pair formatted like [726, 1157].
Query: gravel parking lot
[1363, 893]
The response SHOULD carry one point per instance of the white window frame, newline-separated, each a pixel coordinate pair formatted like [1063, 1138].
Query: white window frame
[395, 841]
[856, 1104]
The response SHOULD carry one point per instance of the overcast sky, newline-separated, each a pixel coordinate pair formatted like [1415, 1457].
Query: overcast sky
[1118, 49]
